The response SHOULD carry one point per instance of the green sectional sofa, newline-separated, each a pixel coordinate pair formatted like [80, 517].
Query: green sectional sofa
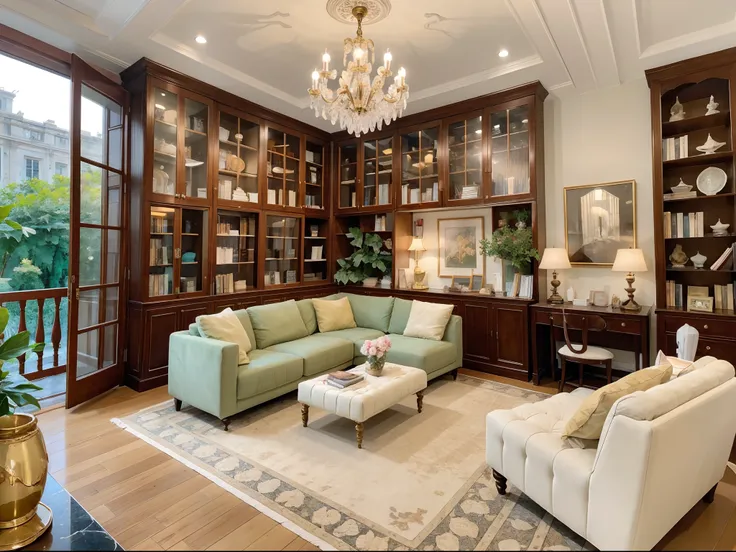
[288, 348]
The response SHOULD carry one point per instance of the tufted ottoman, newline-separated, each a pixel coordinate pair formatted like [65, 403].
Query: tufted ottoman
[365, 399]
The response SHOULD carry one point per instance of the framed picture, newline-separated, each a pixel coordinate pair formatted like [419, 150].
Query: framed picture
[476, 282]
[700, 304]
[464, 281]
[458, 241]
[600, 219]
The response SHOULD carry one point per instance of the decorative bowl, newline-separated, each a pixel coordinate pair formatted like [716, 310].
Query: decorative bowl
[189, 257]
[681, 188]
[710, 145]
[711, 180]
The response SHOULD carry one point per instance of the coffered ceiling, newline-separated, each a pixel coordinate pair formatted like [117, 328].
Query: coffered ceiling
[265, 51]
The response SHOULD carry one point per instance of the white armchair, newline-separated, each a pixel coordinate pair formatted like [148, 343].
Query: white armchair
[660, 452]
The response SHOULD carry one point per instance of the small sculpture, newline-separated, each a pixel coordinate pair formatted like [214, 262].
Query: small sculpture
[570, 294]
[720, 229]
[678, 257]
[710, 145]
[681, 188]
[698, 260]
[677, 113]
[712, 107]
[615, 301]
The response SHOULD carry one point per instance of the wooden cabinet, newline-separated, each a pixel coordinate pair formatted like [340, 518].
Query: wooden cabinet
[239, 161]
[478, 342]
[464, 172]
[420, 167]
[315, 172]
[511, 328]
[365, 175]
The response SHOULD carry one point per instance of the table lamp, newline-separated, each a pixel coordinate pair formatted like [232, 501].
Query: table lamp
[630, 261]
[417, 247]
[554, 259]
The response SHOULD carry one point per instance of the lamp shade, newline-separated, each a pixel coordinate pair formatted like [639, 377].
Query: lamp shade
[554, 258]
[629, 260]
[417, 245]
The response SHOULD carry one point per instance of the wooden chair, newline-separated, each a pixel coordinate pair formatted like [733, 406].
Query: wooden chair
[581, 353]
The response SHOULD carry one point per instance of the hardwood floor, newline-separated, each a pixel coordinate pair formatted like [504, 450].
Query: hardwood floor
[149, 501]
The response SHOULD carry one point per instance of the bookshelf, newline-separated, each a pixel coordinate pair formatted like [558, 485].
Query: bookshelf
[236, 253]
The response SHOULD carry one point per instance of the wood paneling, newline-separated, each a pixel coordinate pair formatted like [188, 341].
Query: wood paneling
[511, 325]
[477, 326]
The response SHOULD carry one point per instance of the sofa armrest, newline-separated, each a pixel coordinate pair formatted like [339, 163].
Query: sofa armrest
[454, 335]
[204, 373]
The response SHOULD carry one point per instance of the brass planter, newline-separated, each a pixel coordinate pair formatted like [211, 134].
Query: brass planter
[23, 468]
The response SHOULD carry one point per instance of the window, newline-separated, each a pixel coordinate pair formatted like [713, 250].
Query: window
[32, 167]
[34, 135]
[61, 141]
[61, 169]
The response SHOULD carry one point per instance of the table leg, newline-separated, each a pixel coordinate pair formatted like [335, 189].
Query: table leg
[420, 400]
[359, 434]
[305, 415]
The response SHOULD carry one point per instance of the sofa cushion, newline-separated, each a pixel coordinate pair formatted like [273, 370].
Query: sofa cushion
[267, 370]
[319, 352]
[244, 318]
[428, 320]
[277, 323]
[399, 316]
[371, 312]
[225, 326]
[356, 336]
[334, 314]
[306, 309]
[421, 353]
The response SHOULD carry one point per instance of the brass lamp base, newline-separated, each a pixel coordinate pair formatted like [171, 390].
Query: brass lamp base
[630, 305]
[555, 298]
[28, 532]
[419, 278]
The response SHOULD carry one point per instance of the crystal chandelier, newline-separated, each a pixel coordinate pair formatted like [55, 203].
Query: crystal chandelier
[359, 105]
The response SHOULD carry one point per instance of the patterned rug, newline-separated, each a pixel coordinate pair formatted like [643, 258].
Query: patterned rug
[420, 482]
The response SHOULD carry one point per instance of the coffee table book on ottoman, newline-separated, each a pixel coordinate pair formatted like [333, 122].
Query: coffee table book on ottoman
[363, 400]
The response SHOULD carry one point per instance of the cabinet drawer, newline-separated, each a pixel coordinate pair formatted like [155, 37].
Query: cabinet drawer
[622, 324]
[719, 348]
[714, 327]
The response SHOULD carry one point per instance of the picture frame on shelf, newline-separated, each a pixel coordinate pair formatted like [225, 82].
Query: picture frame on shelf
[458, 242]
[476, 282]
[461, 282]
[699, 304]
[600, 219]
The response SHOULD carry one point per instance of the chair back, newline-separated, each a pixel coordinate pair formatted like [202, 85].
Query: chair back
[578, 321]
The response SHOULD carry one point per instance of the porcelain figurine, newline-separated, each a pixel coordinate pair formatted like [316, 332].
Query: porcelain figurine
[698, 260]
[710, 145]
[678, 257]
[677, 113]
[615, 301]
[712, 107]
[720, 229]
[681, 188]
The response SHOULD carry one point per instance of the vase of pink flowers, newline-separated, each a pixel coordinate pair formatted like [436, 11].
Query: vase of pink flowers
[375, 352]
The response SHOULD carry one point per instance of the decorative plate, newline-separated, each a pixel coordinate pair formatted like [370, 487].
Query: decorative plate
[711, 180]
[235, 163]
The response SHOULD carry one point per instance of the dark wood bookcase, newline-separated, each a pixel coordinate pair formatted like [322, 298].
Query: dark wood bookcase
[692, 83]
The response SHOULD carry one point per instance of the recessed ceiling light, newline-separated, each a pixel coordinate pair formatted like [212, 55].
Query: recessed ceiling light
[200, 39]
[503, 53]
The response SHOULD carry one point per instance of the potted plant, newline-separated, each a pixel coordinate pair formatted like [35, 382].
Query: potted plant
[22, 448]
[522, 217]
[367, 263]
[513, 245]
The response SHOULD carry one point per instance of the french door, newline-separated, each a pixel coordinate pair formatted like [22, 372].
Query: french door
[97, 260]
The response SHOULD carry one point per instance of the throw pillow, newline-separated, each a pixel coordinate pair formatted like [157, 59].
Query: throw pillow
[679, 367]
[333, 315]
[277, 323]
[588, 420]
[428, 320]
[225, 326]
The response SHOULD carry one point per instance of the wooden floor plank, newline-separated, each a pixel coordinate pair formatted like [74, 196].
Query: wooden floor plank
[246, 534]
[222, 526]
[277, 538]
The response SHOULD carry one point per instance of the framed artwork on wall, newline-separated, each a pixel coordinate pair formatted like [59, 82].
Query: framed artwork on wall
[457, 247]
[600, 219]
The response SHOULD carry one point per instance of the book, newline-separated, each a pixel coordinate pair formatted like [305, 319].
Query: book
[343, 384]
[719, 262]
[342, 375]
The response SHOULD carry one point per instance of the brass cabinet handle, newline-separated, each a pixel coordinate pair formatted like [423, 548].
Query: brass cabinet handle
[707, 347]
[705, 326]
[623, 324]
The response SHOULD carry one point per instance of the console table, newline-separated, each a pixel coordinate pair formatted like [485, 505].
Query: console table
[627, 331]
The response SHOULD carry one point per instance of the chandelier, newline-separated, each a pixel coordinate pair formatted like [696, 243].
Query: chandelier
[358, 104]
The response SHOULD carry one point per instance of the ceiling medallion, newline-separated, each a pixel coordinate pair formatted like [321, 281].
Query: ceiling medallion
[358, 104]
[342, 10]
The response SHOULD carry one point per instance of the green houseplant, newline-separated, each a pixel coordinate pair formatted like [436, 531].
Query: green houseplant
[513, 245]
[369, 260]
[14, 394]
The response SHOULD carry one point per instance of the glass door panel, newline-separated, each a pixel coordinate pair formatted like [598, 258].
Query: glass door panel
[348, 169]
[465, 151]
[238, 159]
[282, 250]
[314, 177]
[377, 172]
[166, 118]
[316, 234]
[196, 118]
[510, 151]
[283, 168]
[237, 243]
[161, 252]
[192, 253]
[419, 167]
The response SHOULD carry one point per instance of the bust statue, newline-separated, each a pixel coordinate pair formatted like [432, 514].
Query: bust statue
[678, 257]
[677, 112]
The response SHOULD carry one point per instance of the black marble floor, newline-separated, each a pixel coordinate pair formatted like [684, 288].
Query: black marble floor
[73, 528]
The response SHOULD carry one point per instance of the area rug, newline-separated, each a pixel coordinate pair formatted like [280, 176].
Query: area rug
[420, 482]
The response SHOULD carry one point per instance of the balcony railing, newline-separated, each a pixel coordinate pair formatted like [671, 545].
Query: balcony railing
[47, 362]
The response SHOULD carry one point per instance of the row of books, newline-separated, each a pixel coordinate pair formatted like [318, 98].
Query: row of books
[226, 283]
[160, 284]
[415, 195]
[274, 197]
[674, 148]
[317, 252]
[725, 261]
[723, 297]
[522, 286]
[683, 225]
[380, 223]
[343, 379]
[673, 292]
[160, 225]
[225, 255]
[159, 253]
[311, 200]
[383, 194]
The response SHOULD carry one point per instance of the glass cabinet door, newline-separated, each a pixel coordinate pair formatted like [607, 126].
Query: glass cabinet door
[510, 151]
[282, 166]
[191, 253]
[377, 172]
[348, 176]
[419, 167]
[196, 120]
[314, 183]
[465, 159]
[237, 162]
[236, 252]
[282, 250]
[161, 251]
[166, 119]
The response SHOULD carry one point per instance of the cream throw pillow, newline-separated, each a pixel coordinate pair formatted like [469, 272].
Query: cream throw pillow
[588, 420]
[333, 315]
[428, 320]
[225, 326]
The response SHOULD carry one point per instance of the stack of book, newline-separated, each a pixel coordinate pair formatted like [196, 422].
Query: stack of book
[674, 148]
[379, 224]
[680, 195]
[224, 255]
[342, 379]
[683, 225]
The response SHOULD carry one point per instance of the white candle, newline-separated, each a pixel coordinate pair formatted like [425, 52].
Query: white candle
[402, 76]
[387, 57]
[326, 61]
[358, 55]
[315, 79]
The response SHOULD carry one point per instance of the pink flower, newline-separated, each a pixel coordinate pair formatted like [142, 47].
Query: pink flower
[380, 354]
[372, 350]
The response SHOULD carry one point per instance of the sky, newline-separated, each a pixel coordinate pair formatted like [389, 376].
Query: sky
[43, 95]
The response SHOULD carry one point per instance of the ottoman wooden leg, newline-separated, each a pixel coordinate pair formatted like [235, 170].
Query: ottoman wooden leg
[710, 496]
[177, 405]
[359, 434]
[226, 423]
[500, 482]
[420, 401]
[305, 415]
